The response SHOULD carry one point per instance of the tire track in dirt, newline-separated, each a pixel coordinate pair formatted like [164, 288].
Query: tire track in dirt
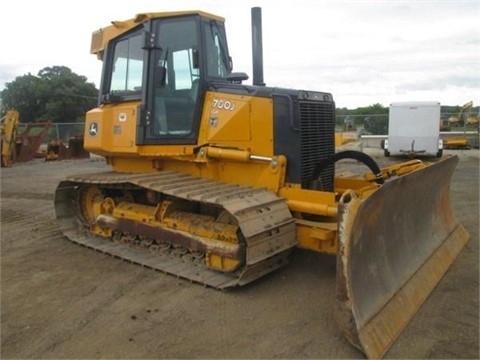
[29, 219]
[28, 196]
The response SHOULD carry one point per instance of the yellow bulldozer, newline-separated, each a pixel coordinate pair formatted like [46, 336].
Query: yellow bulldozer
[216, 181]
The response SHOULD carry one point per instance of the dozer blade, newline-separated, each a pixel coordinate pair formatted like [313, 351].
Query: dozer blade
[394, 247]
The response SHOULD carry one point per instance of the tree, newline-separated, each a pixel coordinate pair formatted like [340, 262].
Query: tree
[375, 109]
[373, 118]
[56, 94]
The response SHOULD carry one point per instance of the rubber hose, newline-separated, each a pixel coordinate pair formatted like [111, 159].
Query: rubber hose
[350, 154]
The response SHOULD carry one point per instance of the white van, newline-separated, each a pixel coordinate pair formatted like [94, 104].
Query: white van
[414, 128]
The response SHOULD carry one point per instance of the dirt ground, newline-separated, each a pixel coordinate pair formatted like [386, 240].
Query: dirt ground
[60, 300]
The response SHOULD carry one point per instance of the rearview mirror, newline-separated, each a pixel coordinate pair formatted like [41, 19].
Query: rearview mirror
[195, 59]
[160, 77]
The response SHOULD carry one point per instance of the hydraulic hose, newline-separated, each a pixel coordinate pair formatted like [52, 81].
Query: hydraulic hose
[349, 154]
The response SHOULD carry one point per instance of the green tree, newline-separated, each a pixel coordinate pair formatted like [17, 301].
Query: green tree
[375, 109]
[56, 94]
[372, 118]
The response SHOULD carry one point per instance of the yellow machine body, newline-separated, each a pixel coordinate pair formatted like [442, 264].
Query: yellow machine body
[224, 199]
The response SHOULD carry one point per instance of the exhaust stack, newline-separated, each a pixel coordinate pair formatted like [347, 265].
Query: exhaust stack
[257, 47]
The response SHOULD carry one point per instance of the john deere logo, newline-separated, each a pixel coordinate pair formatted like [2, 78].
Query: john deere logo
[93, 130]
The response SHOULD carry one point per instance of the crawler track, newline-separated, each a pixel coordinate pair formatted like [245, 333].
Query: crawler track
[265, 223]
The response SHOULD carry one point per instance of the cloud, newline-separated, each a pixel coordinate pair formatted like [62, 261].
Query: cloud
[362, 52]
[8, 72]
[468, 83]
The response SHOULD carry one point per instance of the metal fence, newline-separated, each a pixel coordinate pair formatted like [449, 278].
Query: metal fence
[372, 129]
[372, 124]
[375, 124]
[62, 131]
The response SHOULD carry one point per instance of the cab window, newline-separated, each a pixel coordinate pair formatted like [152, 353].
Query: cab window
[127, 67]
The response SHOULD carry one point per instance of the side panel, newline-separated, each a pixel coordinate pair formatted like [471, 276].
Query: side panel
[238, 121]
[111, 129]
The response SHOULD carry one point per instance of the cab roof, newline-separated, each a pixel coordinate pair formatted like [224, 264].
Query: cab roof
[101, 37]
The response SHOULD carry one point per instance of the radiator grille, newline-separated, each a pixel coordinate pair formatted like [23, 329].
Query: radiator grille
[317, 131]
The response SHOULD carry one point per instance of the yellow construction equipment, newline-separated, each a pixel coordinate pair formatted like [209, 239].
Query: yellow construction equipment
[461, 142]
[29, 139]
[216, 181]
[473, 120]
[8, 128]
[21, 144]
[458, 120]
[343, 138]
[73, 149]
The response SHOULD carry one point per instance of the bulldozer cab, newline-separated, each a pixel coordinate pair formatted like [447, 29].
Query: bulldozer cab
[165, 63]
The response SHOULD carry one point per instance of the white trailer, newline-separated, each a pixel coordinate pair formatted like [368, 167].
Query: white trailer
[414, 128]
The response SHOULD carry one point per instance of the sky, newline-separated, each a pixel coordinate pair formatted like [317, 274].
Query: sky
[363, 52]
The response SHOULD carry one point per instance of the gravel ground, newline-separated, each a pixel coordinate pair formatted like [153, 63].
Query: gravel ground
[60, 300]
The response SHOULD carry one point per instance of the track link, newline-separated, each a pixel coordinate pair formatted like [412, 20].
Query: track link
[264, 220]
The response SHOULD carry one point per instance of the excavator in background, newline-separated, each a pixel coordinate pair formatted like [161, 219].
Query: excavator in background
[217, 181]
[460, 120]
[8, 129]
[473, 120]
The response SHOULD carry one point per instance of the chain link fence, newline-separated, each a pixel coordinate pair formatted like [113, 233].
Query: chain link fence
[371, 124]
[374, 127]
[55, 131]
[377, 124]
